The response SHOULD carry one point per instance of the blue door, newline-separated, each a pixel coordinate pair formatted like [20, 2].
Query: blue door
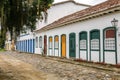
[30, 45]
[33, 45]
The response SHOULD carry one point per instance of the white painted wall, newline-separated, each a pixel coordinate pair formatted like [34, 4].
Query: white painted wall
[58, 11]
[54, 13]
[26, 36]
[88, 25]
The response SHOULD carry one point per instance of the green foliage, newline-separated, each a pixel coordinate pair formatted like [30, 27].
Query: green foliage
[17, 13]
[2, 50]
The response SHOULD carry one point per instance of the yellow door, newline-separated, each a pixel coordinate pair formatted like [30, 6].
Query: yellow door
[63, 46]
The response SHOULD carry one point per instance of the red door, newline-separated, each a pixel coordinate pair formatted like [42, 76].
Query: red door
[45, 45]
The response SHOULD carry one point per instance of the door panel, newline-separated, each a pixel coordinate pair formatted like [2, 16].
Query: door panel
[72, 45]
[63, 45]
[45, 45]
[83, 50]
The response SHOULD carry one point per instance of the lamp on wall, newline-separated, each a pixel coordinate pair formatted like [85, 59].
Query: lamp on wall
[114, 22]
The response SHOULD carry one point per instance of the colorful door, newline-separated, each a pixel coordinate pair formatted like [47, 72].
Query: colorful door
[110, 54]
[45, 45]
[72, 45]
[50, 46]
[30, 45]
[56, 46]
[63, 45]
[26, 46]
[95, 45]
[83, 50]
[33, 45]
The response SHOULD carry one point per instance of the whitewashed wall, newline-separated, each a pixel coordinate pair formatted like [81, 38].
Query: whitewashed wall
[26, 37]
[97, 23]
[58, 11]
[54, 13]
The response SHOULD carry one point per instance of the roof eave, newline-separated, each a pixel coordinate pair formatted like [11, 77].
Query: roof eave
[86, 17]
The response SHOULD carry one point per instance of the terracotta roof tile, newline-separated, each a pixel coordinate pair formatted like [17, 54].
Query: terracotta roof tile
[80, 14]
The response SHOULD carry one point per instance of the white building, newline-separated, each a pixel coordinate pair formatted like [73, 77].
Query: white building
[25, 42]
[61, 9]
[87, 35]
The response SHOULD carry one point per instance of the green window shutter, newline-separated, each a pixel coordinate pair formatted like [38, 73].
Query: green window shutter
[95, 34]
[83, 36]
[72, 44]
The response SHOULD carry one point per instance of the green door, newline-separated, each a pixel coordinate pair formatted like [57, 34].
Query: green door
[72, 45]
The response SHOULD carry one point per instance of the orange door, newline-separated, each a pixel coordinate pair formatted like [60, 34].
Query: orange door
[63, 48]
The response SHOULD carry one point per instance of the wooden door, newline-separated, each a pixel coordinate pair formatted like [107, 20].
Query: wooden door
[45, 45]
[72, 45]
[63, 45]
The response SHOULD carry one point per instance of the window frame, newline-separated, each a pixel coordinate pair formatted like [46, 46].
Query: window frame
[104, 38]
[50, 46]
[93, 39]
[83, 39]
[40, 41]
[55, 41]
[36, 42]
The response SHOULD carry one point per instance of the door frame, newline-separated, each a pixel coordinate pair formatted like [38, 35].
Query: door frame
[85, 32]
[54, 45]
[61, 44]
[99, 50]
[71, 34]
[45, 44]
[115, 34]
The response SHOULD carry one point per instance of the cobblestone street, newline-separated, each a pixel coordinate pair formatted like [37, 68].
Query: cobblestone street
[64, 69]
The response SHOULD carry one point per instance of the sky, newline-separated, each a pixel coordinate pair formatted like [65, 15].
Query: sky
[90, 2]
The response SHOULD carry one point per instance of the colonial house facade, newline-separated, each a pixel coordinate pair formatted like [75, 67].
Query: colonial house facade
[26, 42]
[59, 10]
[87, 34]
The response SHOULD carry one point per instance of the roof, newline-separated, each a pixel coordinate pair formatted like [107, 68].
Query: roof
[94, 11]
[72, 2]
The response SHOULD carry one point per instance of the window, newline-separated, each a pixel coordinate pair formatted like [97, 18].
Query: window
[83, 40]
[110, 33]
[94, 39]
[56, 42]
[95, 44]
[40, 41]
[109, 39]
[72, 45]
[50, 42]
[36, 42]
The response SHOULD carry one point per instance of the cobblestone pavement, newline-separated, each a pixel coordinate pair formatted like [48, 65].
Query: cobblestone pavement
[14, 69]
[64, 69]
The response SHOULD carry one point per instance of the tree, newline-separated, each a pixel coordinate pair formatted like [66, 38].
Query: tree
[15, 14]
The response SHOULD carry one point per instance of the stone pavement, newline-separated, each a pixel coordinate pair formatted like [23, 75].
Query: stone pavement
[65, 69]
[14, 69]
